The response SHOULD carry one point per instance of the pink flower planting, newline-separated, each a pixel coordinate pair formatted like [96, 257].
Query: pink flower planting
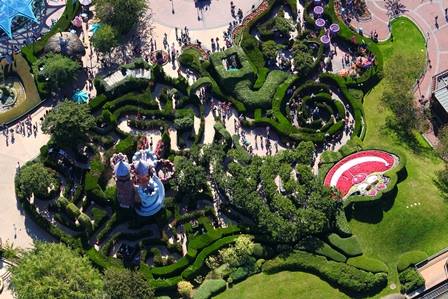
[354, 168]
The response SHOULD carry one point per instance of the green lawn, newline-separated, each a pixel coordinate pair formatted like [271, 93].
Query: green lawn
[385, 233]
[395, 227]
[285, 285]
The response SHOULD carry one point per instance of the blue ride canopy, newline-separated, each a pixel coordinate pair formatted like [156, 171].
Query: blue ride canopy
[9, 9]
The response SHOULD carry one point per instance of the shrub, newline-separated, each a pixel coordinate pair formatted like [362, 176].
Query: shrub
[349, 246]
[185, 289]
[84, 221]
[342, 226]
[368, 264]
[410, 258]
[73, 210]
[238, 275]
[210, 288]
[344, 276]
[126, 146]
[410, 280]
[99, 215]
[327, 251]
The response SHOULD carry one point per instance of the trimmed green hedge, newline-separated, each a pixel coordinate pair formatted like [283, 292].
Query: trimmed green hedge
[342, 275]
[368, 264]
[210, 288]
[342, 226]
[327, 251]
[410, 281]
[348, 246]
[409, 259]
[192, 271]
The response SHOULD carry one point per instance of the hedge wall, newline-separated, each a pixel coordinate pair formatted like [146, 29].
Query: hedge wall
[210, 288]
[348, 246]
[410, 258]
[346, 277]
[368, 264]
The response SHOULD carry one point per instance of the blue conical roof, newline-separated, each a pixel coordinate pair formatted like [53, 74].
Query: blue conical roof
[121, 169]
[9, 9]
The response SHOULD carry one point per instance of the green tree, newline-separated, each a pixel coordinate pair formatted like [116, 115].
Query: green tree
[240, 253]
[270, 49]
[58, 70]
[105, 39]
[68, 122]
[126, 284]
[190, 178]
[52, 270]
[120, 14]
[442, 181]
[303, 62]
[35, 178]
[185, 289]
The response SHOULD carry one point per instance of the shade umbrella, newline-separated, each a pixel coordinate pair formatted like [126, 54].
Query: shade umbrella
[318, 10]
[325, 39]
[94, 27]
[85, 2]
[80, 96]
[334, 28]
[77, 21]
[320, 22]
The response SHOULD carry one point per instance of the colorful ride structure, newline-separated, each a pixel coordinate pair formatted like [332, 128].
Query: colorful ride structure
[140, 182]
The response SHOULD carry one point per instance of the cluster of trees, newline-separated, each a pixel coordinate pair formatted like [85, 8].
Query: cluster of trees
[303, 57]
[52, 270]
[57, 70]
[68, 123]
[118, 17]
[35, 179]
[288, 203]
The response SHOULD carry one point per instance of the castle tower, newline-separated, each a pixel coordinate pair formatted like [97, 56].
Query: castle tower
[125, 189]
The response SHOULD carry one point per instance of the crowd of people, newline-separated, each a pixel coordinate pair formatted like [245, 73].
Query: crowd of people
[24, 127]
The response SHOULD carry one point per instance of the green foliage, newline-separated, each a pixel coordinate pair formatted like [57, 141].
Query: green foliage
[52, 270]
[190, 58]
[210, 288]
[349, 246]
[342, 226]
[57, 70]
[73, 210]
[368, 264]
[442, 147]
[126, 284]
[120, 14]
[270, 49]
[105, 39]
[409, 259]
[126, 146]
[190, 178]
[410, 280]
[344, 276]
[68, 123]
[240, 253]
[239, 274]
[184, 120]
[185, 289]
[35, 178]
[327, 251]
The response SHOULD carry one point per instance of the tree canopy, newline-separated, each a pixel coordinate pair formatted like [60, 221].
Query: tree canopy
[120, 14]
[52, 270]
[190, 178]
[126, 284]
[105, 39]
[68, 122]
[59, 70]
[35, 178]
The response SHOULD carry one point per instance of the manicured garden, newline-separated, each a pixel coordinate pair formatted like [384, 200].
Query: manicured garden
[278, 214]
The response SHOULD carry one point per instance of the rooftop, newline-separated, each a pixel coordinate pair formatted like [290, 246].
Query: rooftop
[9, 9]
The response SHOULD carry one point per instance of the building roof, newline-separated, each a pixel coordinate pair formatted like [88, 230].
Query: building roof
[141, 168]
[9, 9]
[440, 89]
[121, 169]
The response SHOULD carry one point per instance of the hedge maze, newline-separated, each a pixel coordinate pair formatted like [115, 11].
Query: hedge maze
[296, 224]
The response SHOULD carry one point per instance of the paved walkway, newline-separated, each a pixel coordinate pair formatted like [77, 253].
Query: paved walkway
[14, 226]
[423, 13]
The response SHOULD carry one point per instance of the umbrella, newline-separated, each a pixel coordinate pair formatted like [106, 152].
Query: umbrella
[320, 22]
[318, 10]
[85, 2]
[80, 96]
[334, 28]
[94, 27]
[325, 39]
[77, 21]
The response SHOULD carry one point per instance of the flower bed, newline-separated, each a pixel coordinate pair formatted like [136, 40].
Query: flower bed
[357, 168]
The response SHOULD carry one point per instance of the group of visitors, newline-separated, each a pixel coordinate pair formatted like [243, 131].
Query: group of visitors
[25, 127]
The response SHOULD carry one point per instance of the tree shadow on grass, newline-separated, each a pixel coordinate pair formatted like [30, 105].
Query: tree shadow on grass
[372, 211]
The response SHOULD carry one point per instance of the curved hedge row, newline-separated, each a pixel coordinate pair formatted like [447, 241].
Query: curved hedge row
[346, 277]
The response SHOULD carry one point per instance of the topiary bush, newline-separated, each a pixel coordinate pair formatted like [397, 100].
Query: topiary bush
[348, 246]
[210, 288]
[410, 281]
[368, 264]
